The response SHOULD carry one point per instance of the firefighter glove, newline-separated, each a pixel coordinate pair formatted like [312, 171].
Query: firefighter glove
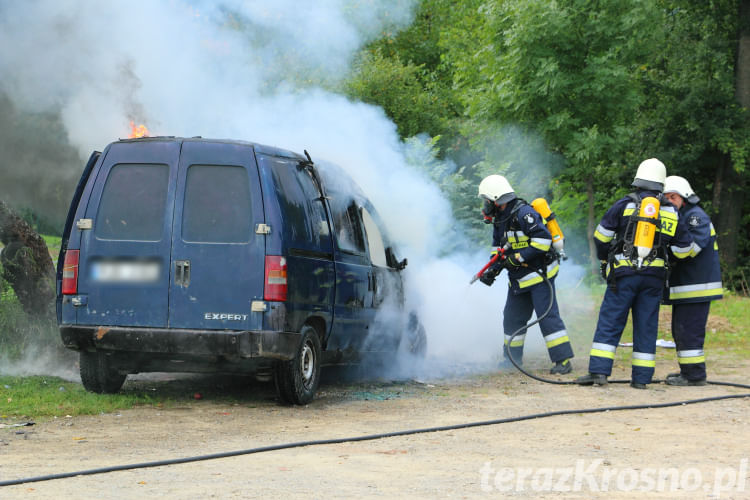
[603, 269]
[489, 275]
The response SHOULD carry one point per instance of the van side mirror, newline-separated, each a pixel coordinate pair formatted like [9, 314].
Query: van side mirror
[392, 261]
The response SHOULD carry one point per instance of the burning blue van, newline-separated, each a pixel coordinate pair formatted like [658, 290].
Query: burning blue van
[199, 255]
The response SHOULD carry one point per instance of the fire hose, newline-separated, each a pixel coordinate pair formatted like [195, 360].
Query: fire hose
[408, 432]
[546, 280]
[572, 382]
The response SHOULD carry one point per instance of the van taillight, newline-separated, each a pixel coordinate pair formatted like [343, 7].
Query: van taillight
[275, 288]
[70, 273]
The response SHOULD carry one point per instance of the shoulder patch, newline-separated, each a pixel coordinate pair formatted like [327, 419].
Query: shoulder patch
[694, 220]
[528, 218]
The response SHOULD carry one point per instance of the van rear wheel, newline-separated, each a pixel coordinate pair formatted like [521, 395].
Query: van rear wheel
[98, 375]
[297, 379]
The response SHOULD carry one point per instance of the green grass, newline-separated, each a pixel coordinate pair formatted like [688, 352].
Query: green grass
[726, 332]
[41, 396]
[53, 245]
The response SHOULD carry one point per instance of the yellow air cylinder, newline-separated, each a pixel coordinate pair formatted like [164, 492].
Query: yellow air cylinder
[646, 230]
[558, 239]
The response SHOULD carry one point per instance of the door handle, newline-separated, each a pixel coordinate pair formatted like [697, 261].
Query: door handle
[182, 273]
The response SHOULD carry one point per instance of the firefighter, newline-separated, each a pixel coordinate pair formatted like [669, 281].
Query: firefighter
[692, 285]
[635, 273]
[519, 228]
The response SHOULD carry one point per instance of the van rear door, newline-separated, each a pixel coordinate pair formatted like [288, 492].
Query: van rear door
[126, 236]
[217, 258]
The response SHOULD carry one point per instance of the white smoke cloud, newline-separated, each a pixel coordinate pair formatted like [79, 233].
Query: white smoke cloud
[238, 70]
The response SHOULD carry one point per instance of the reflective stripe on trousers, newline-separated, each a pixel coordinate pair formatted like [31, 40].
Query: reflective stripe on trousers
[517, 312]
[689, 333]
[640, 294]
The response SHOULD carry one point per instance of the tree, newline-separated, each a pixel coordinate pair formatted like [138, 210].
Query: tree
[569, 71]
[404, 73]
[567, 97]
[698, 94]
[398, 89]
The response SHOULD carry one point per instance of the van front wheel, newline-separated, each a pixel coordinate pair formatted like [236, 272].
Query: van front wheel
[97, 374]
[297, 379]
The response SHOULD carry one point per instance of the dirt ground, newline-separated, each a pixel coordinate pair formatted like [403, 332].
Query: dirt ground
[690, 451]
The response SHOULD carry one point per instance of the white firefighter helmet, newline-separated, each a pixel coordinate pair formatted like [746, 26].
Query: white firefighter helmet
[650, 175]
[497, 189]
[681, 186]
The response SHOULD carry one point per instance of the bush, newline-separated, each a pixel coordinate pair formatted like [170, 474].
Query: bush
[21, 333]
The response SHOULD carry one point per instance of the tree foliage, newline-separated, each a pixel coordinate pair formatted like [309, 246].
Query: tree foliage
[566, 97]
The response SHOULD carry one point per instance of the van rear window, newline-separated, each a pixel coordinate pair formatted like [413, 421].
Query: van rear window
[133, 203]
[217, 205]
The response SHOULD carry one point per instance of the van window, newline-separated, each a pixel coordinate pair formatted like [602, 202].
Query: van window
[374, 240]
[133, 203]
[305, 221]
[217, 205]
[348, 225]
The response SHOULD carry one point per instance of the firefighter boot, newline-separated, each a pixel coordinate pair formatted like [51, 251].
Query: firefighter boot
[591, 379]
[637, 385]
[561, 367]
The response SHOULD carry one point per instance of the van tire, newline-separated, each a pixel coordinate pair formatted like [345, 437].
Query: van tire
[97, 375]
[297, 379]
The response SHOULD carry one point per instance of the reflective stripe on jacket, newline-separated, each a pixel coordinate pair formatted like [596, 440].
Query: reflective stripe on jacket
[697, 279]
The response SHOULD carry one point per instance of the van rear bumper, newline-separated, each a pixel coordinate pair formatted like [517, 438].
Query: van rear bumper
[243, 344]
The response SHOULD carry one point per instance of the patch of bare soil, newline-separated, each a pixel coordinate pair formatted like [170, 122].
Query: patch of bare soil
[689, 451]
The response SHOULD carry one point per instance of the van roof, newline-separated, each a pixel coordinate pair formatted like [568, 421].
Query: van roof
[260, 148]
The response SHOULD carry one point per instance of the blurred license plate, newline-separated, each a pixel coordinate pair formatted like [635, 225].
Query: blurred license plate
[125, 271]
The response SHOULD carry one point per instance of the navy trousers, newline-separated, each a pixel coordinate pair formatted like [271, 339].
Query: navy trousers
[689, 333]
[640, 294]
[519, 306]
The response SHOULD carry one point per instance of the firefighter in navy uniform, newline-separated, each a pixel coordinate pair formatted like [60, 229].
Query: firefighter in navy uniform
[635, 279]
[520, 228]
[692, 284]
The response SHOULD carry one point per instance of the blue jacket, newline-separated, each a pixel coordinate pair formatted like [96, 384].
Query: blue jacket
[697, 279]
[524, 232]
[671, 236]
